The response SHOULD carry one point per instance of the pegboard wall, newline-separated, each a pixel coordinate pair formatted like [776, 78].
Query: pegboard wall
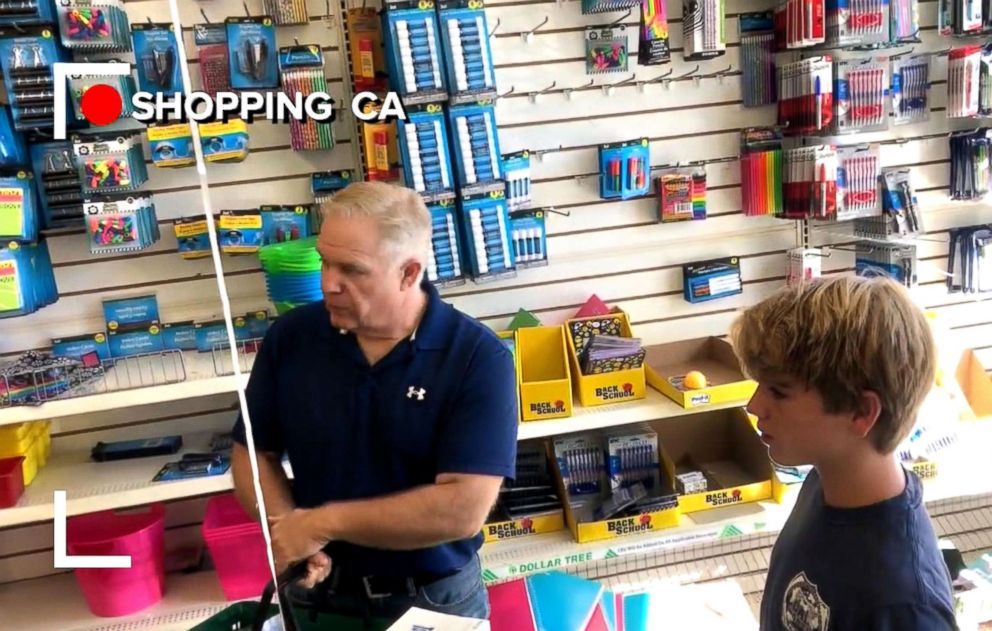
[615, 249]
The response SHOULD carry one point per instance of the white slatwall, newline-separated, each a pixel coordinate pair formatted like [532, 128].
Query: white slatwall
[612, 248]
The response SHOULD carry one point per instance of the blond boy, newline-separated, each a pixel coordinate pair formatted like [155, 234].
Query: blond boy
[843, 365]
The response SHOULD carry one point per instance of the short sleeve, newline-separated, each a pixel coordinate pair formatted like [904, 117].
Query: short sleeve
[262, 396]
[480, 434]
[912, 617]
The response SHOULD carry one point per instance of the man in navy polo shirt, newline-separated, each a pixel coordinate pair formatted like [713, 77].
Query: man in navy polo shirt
[398, 415]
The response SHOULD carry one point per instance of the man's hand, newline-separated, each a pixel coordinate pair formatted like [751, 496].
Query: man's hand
[318, 569]
[295, 537]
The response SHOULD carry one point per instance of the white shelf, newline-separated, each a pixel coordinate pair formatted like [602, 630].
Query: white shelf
[964, 473]
[653, 406]
[54, 603]
[94, 486]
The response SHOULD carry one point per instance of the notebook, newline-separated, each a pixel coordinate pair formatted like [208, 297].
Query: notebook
[561, 602]
[510, 607]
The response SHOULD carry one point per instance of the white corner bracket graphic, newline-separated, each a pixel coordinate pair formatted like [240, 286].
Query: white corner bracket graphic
[62, 558]
[63, 70]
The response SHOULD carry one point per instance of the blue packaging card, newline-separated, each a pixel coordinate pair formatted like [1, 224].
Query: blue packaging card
[120, 312]
[179, 336]
[252, 52]
[210, 335]
[258, 323]
[79, 345]
[156, 54]
[135, 340]
[285, 223]
[708, 280]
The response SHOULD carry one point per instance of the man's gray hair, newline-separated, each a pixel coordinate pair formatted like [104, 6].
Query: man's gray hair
[400, 213]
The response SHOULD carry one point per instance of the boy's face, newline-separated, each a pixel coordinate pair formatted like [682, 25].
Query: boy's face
[794, 425]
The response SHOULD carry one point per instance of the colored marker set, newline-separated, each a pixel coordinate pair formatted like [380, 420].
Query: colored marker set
[624, 169]
[856, 22]
[156, 54]
[486, 225]
[27, 55]
[758, 58]
[861, 95]
[530, 239]
[810, 183]
[287, 11]
[969, 259]
[301, 70]
[800, 23]
[18, 214]
[120, 223]
[761, 171]
[653, 47]
[59, 187]
[252, 54]
[896, 261]
[475, 143]
[704, 34]
[805, 101]
[709, 280]
[211, 51]
[413, 53]
[94, 26]
[911, 89]
[516, 172]
[444, 261]
[423, 142]
[110, 162]
[858, 193]
[465, 38]
[27, 282]
[969, 82]
[682, 194]
[971, 164]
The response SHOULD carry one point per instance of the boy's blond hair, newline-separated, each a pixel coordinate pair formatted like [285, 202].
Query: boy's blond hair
[844, 335]
[400, 213]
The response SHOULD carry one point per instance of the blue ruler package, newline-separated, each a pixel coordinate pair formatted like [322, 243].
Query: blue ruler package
[444, 263]
[467, 56]
[27, 55]
[413, 52]
[624, 169]
[25, 12]
[285, 223]
[59, 188]
[423, 142]
[80, 345]
[253, 58]
[529, 236]
[475, 142]
[94, 26]
[121, 222]
[488, 253]
[516, 173]
[708, 280]
[27, 282]
[19, 218]
[109, 162]
[156, 55]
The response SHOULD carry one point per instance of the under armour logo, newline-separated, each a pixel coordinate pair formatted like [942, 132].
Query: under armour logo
[414, 392]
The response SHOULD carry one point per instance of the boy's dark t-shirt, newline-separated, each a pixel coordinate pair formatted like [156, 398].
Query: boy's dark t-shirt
[875, 568]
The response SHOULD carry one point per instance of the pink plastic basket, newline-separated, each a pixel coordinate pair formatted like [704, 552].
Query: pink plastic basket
[140, 534]
[237, 547]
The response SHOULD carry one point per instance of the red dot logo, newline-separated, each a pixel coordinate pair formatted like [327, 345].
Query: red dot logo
[101, 104]
[645, 520]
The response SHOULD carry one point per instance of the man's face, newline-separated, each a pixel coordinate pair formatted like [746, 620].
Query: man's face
[794, 425]
[361, 285]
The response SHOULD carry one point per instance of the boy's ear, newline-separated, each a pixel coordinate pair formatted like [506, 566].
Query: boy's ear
[867, 413]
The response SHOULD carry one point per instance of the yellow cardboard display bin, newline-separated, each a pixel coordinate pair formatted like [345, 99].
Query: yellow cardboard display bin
[543, 376]
[523, 527]
[612, 387]
[724, 446]
[667, 364]
[975, 384]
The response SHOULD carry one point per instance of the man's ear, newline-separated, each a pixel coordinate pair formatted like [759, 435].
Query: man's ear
[411, 270]
[867, 413]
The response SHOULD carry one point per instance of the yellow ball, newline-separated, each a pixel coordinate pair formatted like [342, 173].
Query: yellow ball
[694, 380]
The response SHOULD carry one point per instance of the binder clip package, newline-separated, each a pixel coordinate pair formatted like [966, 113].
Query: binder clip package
[709, 280]
[27, 55]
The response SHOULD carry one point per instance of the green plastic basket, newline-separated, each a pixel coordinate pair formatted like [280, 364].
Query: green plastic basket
[240, 616]
[290, 256]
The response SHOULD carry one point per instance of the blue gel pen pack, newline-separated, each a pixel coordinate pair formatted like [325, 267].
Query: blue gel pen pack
[156, 55]
[487, 252]
[475, 142]
[467, 56]
[413, 52]
[423, 142]
[444, 265]
[253, 58]
[528, 234]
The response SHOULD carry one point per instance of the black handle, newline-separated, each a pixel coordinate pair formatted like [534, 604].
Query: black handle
[285, 579]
